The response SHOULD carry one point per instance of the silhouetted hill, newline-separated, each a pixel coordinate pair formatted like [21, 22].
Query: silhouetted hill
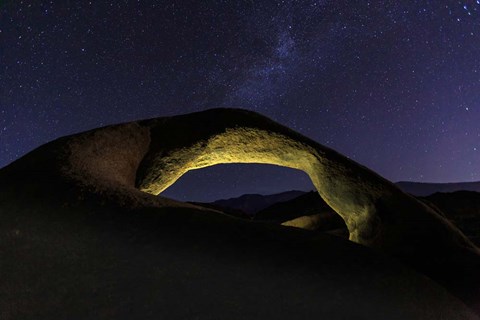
[252, 203]
[424, 189]
[462, 208]
[309, 211]
[237, 213]
[305, 204]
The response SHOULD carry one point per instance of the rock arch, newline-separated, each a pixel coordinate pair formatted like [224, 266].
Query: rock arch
[115, 162]
[375, 211]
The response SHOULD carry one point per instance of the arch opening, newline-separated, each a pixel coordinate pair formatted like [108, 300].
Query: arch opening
[236, 136]
[226, 181]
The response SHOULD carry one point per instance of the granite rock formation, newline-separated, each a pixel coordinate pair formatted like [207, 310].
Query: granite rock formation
[100, 186]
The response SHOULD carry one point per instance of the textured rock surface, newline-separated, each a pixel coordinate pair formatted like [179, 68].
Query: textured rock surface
[89, 184]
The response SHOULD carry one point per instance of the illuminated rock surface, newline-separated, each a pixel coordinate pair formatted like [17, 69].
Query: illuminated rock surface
[81, 239]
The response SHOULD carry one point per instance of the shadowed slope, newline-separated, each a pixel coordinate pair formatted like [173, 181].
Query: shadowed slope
[72, 254]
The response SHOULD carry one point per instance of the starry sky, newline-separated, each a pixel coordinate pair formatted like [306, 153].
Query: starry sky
[394, 85]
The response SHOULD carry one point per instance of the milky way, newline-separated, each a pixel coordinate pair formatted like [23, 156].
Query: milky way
[394, 85]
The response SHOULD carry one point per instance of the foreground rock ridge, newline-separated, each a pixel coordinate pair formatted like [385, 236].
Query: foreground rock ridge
[127, 162]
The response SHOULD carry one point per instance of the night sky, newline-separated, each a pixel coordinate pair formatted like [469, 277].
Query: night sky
[394, 85]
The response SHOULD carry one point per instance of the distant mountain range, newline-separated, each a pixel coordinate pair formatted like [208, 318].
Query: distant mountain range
[307, 210]
[250, 204]
[423, 189]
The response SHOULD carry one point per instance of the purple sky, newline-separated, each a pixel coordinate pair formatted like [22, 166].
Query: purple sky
[394, 85]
